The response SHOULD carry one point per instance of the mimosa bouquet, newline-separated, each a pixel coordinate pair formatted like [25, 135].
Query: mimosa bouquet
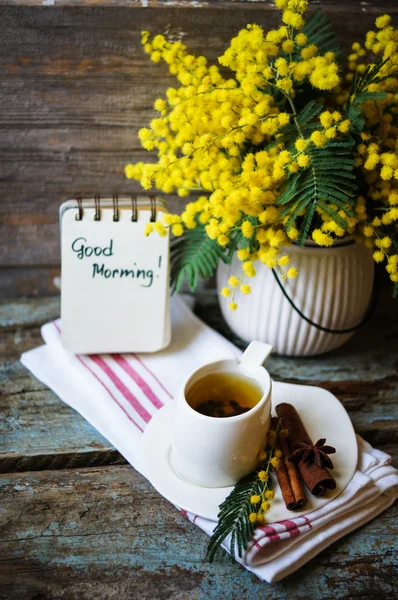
[286, 142]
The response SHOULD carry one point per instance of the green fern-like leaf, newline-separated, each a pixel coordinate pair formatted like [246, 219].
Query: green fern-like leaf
[236, 240]
[327, 183]
[304, 120]
[193, 255]
[234, 517]
[319, 31]
[307, 114]
[307, 221]
[360, 94]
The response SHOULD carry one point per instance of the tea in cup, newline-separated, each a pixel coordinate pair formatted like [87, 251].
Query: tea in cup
[224, 394]
[222, 418]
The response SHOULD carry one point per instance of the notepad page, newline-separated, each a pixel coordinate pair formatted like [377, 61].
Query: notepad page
[115, 283]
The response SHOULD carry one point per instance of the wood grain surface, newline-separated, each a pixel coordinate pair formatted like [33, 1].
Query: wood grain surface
[78, 523]
[75, 87]
[39, 432]
[106, 534]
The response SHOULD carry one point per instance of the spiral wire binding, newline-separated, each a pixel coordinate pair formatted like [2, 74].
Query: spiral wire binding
[116, 211]
[79, 215]
[97, 201]
[115, 201]
[153, 208]
[134, 213]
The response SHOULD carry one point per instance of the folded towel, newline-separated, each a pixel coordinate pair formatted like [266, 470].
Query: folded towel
[119, 393]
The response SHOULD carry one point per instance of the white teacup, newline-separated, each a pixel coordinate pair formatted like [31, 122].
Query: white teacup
[217, 452]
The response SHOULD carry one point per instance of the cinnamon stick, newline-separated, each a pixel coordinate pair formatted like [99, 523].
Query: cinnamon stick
[317, 478]
[288, 476]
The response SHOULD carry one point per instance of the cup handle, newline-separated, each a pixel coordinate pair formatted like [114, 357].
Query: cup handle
[256, 354]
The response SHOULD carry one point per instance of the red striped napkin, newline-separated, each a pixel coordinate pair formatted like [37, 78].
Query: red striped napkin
[119, 393]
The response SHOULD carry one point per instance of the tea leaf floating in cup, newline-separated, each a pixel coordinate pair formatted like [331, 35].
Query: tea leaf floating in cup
[224, 394]
[246, 505]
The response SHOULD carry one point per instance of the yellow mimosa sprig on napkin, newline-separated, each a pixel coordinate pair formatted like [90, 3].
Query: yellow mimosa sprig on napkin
[247, 504]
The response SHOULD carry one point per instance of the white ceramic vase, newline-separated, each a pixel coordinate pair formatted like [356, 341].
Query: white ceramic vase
[333, 289]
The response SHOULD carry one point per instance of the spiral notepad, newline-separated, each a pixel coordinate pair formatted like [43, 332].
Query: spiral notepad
[115, 279]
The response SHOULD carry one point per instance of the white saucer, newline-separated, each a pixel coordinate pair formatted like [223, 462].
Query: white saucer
[323, 415]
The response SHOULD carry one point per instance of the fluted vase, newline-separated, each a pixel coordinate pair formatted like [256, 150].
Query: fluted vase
[333, 289]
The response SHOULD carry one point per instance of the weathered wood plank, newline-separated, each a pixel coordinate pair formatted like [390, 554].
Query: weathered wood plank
[76, 86]
[71, 533]
[28, 281]
[30, 233]
[39, 432]
[24, 313]
[106, 533]
[195, 4]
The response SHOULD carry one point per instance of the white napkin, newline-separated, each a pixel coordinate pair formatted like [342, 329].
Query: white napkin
[118, 394]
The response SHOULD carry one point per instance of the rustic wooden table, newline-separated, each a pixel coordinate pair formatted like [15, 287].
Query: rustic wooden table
[75, 87]
[78, 522]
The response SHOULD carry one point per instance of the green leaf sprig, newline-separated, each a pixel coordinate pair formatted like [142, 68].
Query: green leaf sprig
[193, 255]
[247, 503]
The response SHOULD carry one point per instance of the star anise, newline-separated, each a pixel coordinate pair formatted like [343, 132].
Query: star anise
[313, 453]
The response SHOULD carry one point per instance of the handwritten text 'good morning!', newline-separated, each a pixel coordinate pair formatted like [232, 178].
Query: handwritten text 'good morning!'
[144, 277]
